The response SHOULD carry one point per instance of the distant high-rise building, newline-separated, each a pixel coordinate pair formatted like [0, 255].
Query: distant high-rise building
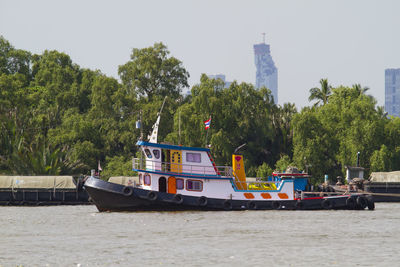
[222, 77]
[267, 73]
[392, 92]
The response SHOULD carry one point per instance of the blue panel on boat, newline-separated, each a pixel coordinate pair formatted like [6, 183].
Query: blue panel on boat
[300, 184]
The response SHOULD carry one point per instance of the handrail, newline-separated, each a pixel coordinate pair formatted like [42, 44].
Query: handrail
[153, 165]
[176, 168]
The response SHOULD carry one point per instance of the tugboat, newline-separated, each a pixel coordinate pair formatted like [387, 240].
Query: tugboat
[173, 177]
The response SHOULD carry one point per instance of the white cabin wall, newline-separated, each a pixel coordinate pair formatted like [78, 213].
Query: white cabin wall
[204, 167]
[222, 188]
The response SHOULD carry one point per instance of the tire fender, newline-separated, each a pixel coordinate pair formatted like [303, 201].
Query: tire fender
[362, 202]
[227, 204]
[276, 205]
[178, 199]
[127, 191]
[202, 201]
[326, 204]
[370, 203]
[152, 195]
[251, 205]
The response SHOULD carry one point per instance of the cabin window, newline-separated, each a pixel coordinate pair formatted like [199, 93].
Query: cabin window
[147, 179]
[194, 185]
[193, 157]
[179, 184]
[148, 154]
[156, 153]
[140, 179]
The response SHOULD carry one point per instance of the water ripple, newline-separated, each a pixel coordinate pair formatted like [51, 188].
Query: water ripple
[81, 236]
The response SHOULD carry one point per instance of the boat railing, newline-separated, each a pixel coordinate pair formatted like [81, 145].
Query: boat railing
[159, 166]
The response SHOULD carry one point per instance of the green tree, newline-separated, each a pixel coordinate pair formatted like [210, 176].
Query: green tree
[264, 170]
[380, 160]
[152, 72]
[13, 61]
[282, 164]
[118, 166]
[283, 133]
[240, 114]
[328, 138]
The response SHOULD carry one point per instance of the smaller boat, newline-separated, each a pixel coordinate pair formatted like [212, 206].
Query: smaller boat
[383, 186]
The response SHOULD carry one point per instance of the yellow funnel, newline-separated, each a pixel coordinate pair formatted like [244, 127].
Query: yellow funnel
[238, 168]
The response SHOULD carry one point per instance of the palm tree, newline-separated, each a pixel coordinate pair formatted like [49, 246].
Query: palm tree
[381, 112]
[360, 90]
[321, 94]
[42, 159]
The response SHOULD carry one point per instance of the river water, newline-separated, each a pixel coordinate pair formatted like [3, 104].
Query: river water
[81, 236]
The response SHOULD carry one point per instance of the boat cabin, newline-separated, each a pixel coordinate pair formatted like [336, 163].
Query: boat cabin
[174, 164]
[189, 170]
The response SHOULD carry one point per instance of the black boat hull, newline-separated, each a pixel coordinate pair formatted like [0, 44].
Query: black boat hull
[115, 197]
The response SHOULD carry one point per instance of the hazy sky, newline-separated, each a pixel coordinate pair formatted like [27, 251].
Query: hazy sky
[345, 41]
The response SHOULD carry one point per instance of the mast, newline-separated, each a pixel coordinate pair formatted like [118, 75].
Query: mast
[179, 115]
[153, 137]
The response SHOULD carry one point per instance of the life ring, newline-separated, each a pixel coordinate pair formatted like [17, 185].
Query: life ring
[178, 199]
[326, 204]
[276, 205]
[362, 202]
[299, 205]
[127, 191]
[152, 195]
[251, 205]
[202, 201]
[350, 203]
[227, 204]
[370, 203]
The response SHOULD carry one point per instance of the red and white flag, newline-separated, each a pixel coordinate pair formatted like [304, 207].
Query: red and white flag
[207, 123]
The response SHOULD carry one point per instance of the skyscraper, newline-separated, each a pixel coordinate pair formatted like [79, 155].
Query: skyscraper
[222, 77]
[267, 73]
[392, 92]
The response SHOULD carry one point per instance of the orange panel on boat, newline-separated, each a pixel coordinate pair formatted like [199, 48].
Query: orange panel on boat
[248, 195]
[172, 185]
[266, 195]
[283, 195]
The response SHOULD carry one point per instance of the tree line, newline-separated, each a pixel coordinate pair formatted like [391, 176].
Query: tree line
[59, 118]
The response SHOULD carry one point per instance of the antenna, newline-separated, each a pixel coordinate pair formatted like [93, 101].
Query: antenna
[263, 34]
[179, 115]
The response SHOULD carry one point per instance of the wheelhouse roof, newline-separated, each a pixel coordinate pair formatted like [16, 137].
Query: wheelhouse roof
[174, 147]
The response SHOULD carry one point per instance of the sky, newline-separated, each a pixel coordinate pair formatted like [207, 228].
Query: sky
[345, 41]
